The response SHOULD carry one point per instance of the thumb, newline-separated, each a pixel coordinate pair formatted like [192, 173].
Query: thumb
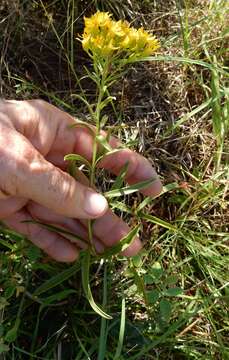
[27, 174]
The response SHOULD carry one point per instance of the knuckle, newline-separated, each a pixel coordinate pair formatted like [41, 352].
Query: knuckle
[67, 193]
[63, 185]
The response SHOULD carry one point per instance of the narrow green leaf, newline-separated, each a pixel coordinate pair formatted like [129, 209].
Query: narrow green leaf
[123, 244]
[86, 286]
[129, 189]
[11, 334]
[57, 279]
[120, 206]
[216, 106]
[76, 157]
[103, 121]
[158, 221]
[57, 229]
[83, 124]
[6, 244]
[118, 183]
[105, 102]
[59, 296]
[108, 151]
[185, 61]
[102, 140]
[103, 326]
[148, 200]
[121, 331]
[77, 96]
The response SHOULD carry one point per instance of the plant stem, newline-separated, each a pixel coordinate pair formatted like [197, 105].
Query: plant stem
[102, 90]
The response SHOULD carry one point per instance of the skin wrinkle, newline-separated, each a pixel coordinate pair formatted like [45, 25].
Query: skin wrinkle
[39, 181]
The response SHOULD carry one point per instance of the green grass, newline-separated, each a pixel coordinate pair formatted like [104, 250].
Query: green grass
[171, 301]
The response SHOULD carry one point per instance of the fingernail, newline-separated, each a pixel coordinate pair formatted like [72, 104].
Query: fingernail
[95, 204]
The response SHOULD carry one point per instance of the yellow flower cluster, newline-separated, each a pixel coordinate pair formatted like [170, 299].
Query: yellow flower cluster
[104, 37]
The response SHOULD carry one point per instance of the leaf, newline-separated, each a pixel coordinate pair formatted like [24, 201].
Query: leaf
[11, 335]
[58, 296]
[9, 292]
[77, 96]
[83, 124]
[158, 221]
[173, 291]
[57, 279]
[137, 261]
[3, 302]
[76, 157]
[33, 253]
[171, 280]
[103, 142]
[121, 331]
[86, 286]
[104, 323]
[152, 296]
[123, 244]
[3, 348]
[105, 102]
[103, 121]
[165, 310]
[185, 61]
[156, 271]
[121, 206]
[120, 178]
[149, 199]
[129, 189]
[148, 280]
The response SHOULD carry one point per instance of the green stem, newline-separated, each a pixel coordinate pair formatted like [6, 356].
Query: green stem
[97, 113]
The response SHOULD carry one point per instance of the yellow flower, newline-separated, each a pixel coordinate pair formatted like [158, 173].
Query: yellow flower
[104, 37]
[97, 22]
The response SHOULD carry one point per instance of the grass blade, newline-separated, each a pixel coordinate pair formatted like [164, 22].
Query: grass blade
[159, 222]
[103, 328]
[121, 331]
[120, 178]
[58, 229]
[126, 190]
[86, 286]
[57, 279]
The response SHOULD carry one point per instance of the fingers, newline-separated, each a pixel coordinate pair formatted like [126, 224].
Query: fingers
[47, 128]
[25, 173]
[107, 231]
[10, 205]
[53, 244]
[110, 229]
[45, 215]
[139, 169]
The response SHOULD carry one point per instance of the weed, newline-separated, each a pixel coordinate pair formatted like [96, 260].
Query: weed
[171, 301]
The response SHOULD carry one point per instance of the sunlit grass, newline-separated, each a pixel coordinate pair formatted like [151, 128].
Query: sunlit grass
[171, 301]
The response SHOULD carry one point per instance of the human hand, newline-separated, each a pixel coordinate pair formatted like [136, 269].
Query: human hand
[34, 138]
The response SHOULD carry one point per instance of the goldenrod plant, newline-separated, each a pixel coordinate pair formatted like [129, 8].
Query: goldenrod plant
[111, 45]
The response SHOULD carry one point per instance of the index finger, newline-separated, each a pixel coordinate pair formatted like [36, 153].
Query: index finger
[139, 168]
[48, 129]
